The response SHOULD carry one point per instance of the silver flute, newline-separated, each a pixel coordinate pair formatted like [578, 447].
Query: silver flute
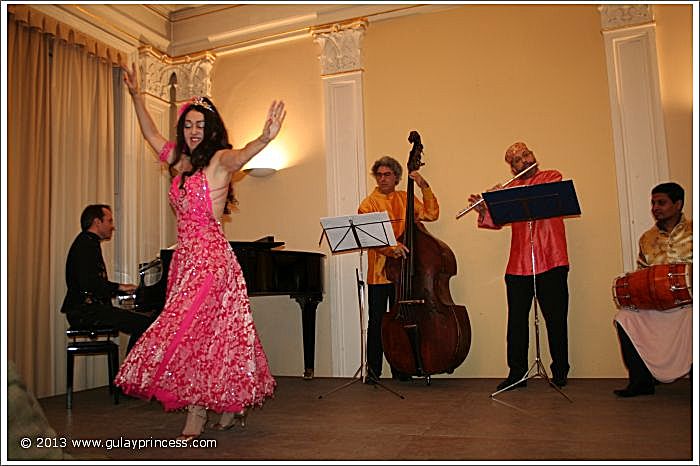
[467, 209]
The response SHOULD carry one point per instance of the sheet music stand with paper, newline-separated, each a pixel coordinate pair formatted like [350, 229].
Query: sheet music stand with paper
[350, 233]
[531, 203]
[360, 231]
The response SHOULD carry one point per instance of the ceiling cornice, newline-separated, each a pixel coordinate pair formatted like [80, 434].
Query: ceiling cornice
[215, 28]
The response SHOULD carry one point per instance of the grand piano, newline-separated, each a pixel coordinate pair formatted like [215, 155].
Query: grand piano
[268, 271]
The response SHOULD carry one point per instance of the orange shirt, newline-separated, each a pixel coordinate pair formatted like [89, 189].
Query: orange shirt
[549, 235]
[395, 205]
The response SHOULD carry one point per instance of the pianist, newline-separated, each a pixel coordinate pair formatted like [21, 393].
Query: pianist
[88, 301]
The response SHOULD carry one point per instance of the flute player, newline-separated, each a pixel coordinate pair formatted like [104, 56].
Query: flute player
[551, 275]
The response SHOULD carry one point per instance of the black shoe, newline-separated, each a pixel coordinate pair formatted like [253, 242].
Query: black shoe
[369, 380]
[559, 381]
[630, 391]
[507, 382]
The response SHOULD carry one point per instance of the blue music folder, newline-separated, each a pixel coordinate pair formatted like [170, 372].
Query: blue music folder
[532, 202]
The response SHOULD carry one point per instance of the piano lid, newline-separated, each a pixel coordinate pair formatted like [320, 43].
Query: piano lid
[266, 242]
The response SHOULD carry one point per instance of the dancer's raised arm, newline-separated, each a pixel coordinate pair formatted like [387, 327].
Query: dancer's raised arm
[233, 159]
[148, 127]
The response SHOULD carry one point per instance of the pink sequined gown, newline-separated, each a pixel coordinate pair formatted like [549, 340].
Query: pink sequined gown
[203, 349]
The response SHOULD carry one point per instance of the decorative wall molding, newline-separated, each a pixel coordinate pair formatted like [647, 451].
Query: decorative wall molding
[620, 16]
[193, 74]
[341, 71]
[346, 179]
[181, 30]
[340, 46]
[638, 128]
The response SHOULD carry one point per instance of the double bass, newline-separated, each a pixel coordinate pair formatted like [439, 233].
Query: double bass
[424, 332]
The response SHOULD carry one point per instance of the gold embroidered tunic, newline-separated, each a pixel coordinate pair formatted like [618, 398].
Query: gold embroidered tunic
[657, 246]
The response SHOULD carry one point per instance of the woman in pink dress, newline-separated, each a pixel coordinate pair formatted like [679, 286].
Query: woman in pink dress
[203, 351]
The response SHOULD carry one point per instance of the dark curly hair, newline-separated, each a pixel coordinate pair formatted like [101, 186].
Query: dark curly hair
[389, 162]
[215, 138]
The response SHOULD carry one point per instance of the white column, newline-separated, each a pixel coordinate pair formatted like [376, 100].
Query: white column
[346, 180]
[637, 118]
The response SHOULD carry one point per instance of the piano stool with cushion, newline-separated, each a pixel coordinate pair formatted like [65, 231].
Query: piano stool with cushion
[88, 341]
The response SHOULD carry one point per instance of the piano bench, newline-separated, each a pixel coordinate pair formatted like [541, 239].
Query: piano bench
[87, 341]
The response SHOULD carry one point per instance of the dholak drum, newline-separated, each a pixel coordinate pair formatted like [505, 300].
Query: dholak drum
[658, 287]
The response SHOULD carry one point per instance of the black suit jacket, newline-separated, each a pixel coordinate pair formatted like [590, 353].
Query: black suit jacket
[86, 274]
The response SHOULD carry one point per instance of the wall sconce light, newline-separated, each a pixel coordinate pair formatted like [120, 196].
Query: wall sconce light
[259, 172]
[266, 163]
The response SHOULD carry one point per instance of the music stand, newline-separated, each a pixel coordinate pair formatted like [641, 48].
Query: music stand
[350, 233]
[531, 203]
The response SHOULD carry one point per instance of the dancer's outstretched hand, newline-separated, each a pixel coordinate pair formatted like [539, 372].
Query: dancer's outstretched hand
[273, 123]
[130, 78]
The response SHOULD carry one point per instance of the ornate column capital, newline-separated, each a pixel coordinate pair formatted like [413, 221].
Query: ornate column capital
[620, 16]
[193, 74]
[340, 46]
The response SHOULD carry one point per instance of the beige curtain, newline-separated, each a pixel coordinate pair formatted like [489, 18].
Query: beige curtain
[82, 170]
[63, 32]
[29, 283]
[60, 158]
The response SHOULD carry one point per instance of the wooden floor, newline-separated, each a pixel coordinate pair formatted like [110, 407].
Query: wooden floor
[451, 419]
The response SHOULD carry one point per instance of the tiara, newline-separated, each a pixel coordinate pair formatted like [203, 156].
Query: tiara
[196, 100]
[199, 100]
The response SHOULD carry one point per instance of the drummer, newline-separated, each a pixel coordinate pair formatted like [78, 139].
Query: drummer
[657, 346]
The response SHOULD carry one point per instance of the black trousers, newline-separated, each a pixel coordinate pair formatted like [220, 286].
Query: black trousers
[379, 296]
[553, 299]
[98, 314]
[639, 376]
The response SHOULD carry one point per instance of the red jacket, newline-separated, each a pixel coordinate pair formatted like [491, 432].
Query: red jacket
[549, 235]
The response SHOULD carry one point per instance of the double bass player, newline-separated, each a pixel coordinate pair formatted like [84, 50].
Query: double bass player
[387, 174]
[551, 275]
